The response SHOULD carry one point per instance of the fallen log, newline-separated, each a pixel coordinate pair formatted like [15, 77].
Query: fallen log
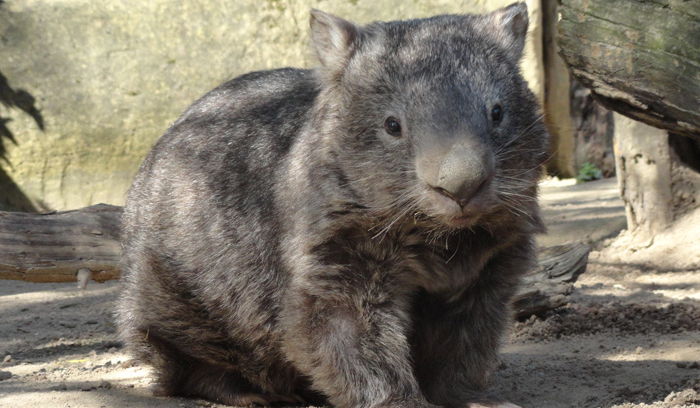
[550, 285]
[640, 58]
[83, 244]
[53, 247]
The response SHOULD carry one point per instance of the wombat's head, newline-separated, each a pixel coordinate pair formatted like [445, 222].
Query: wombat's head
[431, 118]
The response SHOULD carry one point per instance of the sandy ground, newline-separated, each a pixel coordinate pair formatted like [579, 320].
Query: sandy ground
[629, 338]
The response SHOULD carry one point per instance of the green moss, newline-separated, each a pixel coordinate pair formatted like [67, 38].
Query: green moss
[588, 172]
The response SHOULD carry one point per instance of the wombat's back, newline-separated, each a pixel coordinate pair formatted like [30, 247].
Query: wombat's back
[199, 226]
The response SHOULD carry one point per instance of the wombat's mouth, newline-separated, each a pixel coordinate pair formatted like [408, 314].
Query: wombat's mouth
[463, 221]
[459, 215]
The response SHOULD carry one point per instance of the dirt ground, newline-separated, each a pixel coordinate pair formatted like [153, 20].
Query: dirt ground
[630, 336]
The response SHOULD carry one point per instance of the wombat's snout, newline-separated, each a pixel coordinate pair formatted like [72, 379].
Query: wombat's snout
[463, 172]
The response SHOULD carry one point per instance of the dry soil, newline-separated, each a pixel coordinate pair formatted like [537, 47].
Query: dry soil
[630, 336]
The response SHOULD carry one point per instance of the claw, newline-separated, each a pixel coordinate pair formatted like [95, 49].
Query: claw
[249, 399]
[289, 399]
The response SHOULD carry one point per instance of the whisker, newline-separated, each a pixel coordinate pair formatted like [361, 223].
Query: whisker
[524, 132]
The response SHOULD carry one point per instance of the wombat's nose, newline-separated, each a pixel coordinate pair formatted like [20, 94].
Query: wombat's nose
[462, 174]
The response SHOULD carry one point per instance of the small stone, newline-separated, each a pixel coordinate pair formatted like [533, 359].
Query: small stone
[93, 353]
[681, 364]
[129, 363]
[639, 350]
[694, 366]
[84, 276]
[59, 387]
[108, 364]
[7, 359]
[5, 375]
[112, 350]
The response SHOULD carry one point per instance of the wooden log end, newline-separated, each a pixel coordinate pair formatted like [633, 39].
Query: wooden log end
[550, 285]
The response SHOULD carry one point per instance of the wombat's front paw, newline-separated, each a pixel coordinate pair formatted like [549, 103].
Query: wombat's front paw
[492, 405]
[407, 403]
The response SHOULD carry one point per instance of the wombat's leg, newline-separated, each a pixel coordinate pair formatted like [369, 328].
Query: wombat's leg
[456, 340]
[215, 384]
[455, 349]
[348, 334]
[179, 374]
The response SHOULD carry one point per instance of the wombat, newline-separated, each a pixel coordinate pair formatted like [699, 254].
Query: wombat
[351, 234]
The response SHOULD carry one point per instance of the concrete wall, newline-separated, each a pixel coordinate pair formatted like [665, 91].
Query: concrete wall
[87, 86]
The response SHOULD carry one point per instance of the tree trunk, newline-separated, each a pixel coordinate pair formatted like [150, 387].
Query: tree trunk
[593, 128]
[556, 98]
[643, 162]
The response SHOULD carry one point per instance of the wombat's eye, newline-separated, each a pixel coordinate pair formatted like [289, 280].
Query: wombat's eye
[497, 114]
[392, 126]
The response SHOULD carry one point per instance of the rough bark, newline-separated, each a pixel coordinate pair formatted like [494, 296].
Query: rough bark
[84, 244]
[685, 174]
[556, 98]
[643, 164]
[54, 247]
[593, 131]
[640, 58]
[550, 285]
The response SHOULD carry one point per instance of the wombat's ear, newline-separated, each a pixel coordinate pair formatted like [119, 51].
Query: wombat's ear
[510, 25]
[334, 39]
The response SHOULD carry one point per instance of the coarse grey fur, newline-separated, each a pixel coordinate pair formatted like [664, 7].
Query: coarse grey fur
[351, 234]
